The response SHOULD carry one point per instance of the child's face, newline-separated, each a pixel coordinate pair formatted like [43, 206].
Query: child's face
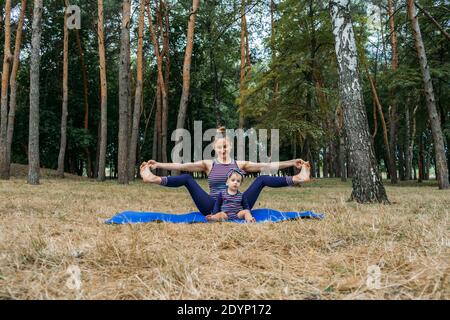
[234, 181]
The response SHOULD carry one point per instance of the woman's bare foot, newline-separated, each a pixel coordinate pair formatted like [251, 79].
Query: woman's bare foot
[221, 216]
[147, 175]
[304, 175]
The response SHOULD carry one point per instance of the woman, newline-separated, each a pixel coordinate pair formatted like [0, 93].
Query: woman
[217, 170]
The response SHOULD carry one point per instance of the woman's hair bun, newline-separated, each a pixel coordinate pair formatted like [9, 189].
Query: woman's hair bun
[221, 129]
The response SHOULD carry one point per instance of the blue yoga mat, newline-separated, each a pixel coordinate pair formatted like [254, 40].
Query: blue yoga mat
[260, 215]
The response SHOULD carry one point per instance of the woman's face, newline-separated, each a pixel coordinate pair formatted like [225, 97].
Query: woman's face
[222, 147]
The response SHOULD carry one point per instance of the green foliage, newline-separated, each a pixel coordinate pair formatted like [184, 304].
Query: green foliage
[303, 98]
[292, 84]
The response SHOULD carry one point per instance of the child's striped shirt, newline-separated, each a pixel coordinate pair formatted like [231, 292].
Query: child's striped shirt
[231, 204]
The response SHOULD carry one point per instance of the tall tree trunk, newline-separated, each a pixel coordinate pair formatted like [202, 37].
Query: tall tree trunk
[316, 158]
[393, 106]
[85, 80]
[244, 69]
[35, 60]
[187, 66]
[410, 137]
[366, 182]
[427, 161]
[294, 150]
[7, 59]
[377, 103]
[63, 143]
[305, 149]
[331, 158]
[129, 105]
[375, 119]
[156, 154]
[244, 63]
[216, 82]
[103, 94]
[89, 168]
[337, 161]
[161, 94]
[414, 171]
[391, 12]
[165, 106]
[383, 43]
[273, 9]
[13, 87]
[401, 163]
[123, 94]
[340, 128]
[147, 122]
[407, 141]
[325, 162]
[342, 156]
[216, 87]
[411, 144]
[138, 94]
[441, 161]
[97, 148]
[182, 109]
[421, 158]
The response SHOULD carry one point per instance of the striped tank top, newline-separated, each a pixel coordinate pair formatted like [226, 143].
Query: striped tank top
[217, 178]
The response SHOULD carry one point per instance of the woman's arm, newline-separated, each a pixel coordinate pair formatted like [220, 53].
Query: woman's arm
[249, 166]
[188, 166]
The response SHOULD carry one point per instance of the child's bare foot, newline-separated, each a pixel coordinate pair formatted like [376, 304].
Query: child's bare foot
[304, 175]
[221, 216]
[147, 175]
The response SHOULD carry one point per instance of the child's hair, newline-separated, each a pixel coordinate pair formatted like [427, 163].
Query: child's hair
[238, 171]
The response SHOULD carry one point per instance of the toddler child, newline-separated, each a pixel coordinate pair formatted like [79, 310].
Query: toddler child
[232, 204]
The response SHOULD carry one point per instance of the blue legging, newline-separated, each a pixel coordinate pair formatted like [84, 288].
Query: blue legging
[205, 203]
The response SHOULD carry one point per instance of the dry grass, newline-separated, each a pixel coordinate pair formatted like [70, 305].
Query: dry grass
[48, 228]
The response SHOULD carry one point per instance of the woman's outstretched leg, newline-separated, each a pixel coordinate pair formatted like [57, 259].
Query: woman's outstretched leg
[253, 191]
[203, 201]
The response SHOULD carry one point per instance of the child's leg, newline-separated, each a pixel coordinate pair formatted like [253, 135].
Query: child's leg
[203, 201]
[260, 182]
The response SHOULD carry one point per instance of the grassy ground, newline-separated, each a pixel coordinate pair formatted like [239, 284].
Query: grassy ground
[50, 232]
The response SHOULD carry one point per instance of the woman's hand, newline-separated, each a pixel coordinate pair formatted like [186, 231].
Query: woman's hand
[298, 163]
[153, 164]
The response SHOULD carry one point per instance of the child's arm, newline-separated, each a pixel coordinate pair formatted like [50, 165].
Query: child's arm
[245, 213]
[216, 214]
[218, 204]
